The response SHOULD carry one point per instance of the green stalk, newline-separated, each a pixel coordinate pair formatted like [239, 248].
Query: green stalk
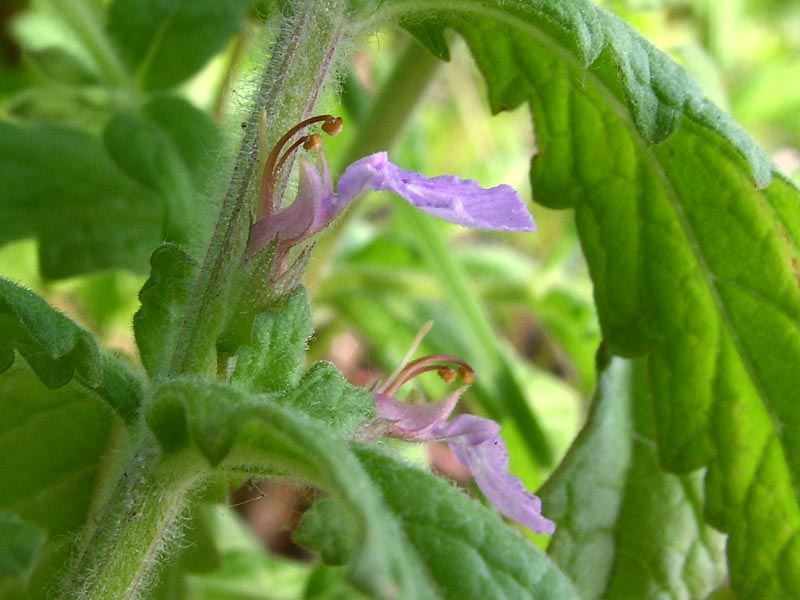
[121, 557]
[302, 60]
[78, 15]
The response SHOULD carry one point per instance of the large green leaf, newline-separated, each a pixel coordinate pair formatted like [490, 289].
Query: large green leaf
[60, 187]
[53, 445]
[166, 41]
[627, 530]
[691, 244]
[170, 147]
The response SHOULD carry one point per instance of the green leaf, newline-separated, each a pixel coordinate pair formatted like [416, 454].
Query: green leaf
[624, 525]
[170, 148]
[60, 187]
[689, 247]
[274, 359]
[52, 447]
[19, 543]
[55, 347]
[324, 394]
[145, 153]
[164, 298]
[166, 41]
[267, 438]
[59, 351]
[466, 549]
[328, 529]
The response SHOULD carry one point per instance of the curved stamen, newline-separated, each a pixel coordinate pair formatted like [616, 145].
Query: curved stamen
[436, 362]
[331, 125]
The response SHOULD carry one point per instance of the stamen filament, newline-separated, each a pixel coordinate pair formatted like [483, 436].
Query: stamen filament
[269, 177]
[436, 362]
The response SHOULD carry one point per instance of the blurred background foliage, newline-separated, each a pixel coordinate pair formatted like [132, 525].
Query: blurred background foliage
[517, 306]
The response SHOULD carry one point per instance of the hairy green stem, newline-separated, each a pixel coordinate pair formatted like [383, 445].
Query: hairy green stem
[77, 14]
[120, 558]
[302, 60]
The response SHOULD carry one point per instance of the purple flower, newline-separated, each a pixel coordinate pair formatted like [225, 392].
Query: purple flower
[459, 201]
[474, 441]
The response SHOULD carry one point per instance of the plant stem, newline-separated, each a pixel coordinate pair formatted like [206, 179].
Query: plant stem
[120, 558]
[302, 60]
[78, 16]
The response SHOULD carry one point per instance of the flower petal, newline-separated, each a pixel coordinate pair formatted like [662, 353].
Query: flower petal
[312, 209]
[478, 446]
[447, 197]
[414, 422]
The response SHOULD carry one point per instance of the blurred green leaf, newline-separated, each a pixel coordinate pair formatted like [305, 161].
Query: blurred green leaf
[689, 245]
[20, 541]
[166, 41]
[247, 570]
[624, 527]
[60, 186]
[169, 148]
[53, 446]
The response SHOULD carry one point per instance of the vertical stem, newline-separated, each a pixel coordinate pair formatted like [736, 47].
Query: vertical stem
[120, 559]
[301, 62]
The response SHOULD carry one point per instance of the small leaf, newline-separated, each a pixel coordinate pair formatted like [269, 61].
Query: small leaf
[166, 42]
[19, 543]
[164, 298]
[614, 507]
[327, 528]
[60, 186]
[211, 415]
[326, 395]
[55, 347]
[274, 359]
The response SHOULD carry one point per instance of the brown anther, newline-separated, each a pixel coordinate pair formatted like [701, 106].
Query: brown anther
[333, 126]
[448, 374]
[312, 142]
[467, 374]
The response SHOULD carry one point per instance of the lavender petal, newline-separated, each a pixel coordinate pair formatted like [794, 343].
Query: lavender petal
[477, 445]
[459, 201]
[414, 422]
